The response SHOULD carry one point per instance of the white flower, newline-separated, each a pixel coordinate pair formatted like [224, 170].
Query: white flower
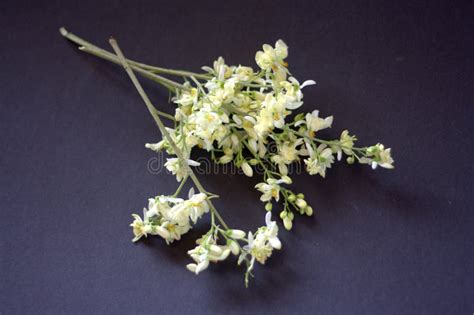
[200, 256]
[272, 114]
[243, 73]
[378, 155]
[206, 123]
[287, 153]
[345, 145]
[176, 168]
[188, 98]
[261, 245]
[293, 92]
[258, 247]
[198, 205]
[271, 189]
[272, 231]
[273, 58]
[221, 69]
[315, 123]
[144, 227]
[319, 161]
[207, 251]
[140, 227]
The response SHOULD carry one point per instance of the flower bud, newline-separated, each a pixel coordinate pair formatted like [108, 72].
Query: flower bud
[253, 145]
[224, 254]
[286, 179]
[253, 162]
[236, 234]
[282, 215]
[234, 247]
[350, 160]
[225, 159]
[290, 215]
[201, 266]
[268, 206]
[287, 223]
[191, 267]
[301, 203]
[215, 250]
[247, 169]
[300, 116]
[291, 197]
[300, 195]
[237, 120]
[309, 211]
[235, 140]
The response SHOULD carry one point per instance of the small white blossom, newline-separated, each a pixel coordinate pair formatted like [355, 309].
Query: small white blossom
[319, 160]
[287, 154]
[378, 155]
[270, 189]
[261, 244]
[314, 123]
[346, 143]
[188, 98]
[176, 168]
[206, 251]
[272, 58]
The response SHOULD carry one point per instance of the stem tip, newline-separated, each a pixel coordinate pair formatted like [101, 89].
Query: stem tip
[63, 31]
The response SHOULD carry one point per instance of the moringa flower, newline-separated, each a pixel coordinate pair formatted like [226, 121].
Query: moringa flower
[314, 123]
[261, 244]
[176, 168]
[319, 160]
[272, 58]
[378, 155]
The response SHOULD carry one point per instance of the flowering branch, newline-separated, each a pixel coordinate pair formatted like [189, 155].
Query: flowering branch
[235, 113]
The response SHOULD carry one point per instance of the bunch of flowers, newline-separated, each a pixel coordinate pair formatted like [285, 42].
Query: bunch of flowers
[235, 113]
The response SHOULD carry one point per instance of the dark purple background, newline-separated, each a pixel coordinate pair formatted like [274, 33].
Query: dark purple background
[74, 167]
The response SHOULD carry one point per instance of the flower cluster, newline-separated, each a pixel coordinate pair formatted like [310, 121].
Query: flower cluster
[235, 113]
[170, 217]
[258, 246]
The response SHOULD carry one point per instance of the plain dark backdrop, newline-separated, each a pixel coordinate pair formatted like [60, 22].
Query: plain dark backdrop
[74, 167]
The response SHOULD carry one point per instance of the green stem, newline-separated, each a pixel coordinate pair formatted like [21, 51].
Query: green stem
[161, 126]
[180, 187]
[104, 54]
[165, 115]
[81, 42]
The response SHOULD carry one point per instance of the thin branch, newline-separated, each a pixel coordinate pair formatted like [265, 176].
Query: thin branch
[81, 42]
[104, 54]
